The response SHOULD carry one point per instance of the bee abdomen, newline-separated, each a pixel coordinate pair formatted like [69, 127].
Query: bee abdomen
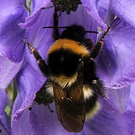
[91, 101]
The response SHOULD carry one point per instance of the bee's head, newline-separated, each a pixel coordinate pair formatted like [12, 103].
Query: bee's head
[74, 32]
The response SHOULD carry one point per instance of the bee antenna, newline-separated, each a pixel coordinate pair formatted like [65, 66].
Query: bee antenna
[63, 27]
[92, 32]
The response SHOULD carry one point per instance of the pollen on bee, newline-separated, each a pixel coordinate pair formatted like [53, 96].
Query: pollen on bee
[87, 91]
[94, 81]
[64, 81]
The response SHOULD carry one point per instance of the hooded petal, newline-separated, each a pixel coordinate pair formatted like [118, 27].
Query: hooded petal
[28, 81]
[116, 61]
[80, 17]
[91, 8]
[11, 35]
[35, 13]
[36, 5]
[103, 6]
[42, 39]
[124, 9]
[8, 70]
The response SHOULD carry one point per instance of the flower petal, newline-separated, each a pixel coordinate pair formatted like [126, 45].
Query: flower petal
[43, 121]
[11, 35]
[91, 8]
[114, 116]
[103, 8]
[124, 9]
[28, 81]
[112, 124]
[3, 97]
[40, 38]
[118, 99]
[131, 100]
[116, 62]
[36, 5]
[36, 11]
[109, 120]
[20, 126]
[8, 70]
[4, 125]
[80, 17]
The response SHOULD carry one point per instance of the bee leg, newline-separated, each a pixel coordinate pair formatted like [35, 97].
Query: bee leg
[50, 109]
[41, 63]
[98, 46]
[44, 95]
[96, 49]
[89, 43]
[98, 86]
[55, 30]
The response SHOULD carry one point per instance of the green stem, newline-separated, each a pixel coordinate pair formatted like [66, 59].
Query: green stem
[14, 88]
[14, 91]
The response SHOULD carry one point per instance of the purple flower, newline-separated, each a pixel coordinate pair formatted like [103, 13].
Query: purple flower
[4, 125]
[4, 121]
[11, 51]
[115, 64]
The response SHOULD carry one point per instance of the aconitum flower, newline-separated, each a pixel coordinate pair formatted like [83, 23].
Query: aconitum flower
[115, 64]
[11, 52]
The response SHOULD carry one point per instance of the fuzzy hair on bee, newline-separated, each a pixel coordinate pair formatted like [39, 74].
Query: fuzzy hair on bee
[72, 81]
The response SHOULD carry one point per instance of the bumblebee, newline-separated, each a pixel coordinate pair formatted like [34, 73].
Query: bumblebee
[71, 76]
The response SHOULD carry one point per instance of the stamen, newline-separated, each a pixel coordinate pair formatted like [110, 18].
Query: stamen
[66, 5]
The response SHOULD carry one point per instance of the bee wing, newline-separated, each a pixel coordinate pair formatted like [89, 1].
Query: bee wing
[70, 105]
